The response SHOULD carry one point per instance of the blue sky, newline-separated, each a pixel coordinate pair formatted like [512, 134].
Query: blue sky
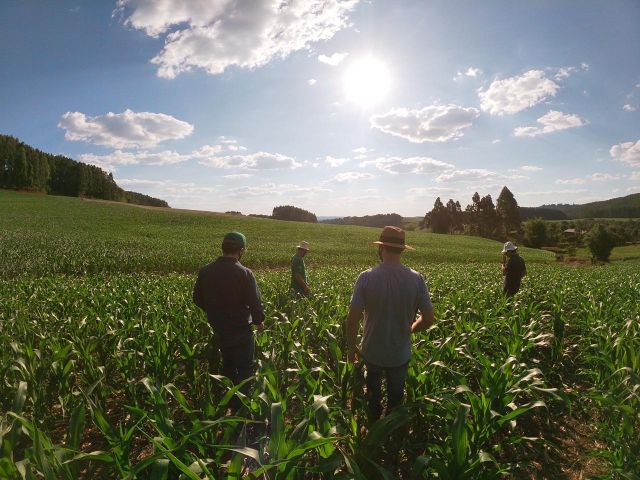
[341, 107]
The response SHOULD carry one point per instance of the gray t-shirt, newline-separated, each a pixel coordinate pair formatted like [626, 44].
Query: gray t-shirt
[390, 295]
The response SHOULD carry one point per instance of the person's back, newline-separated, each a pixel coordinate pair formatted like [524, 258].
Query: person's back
[513, 273]
[391, 295]
[222, 293]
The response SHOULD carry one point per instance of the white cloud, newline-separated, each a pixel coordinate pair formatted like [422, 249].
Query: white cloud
[253, 161]
[166, 187]
[333, 59]
[553, 192]
[207, 151]
[570, 181]
[437, 123]
[118, 157]
[335, 162]
[124, 130]
[472, 72]
[475, 174]
[628, 152]
[273, 189]
[361, 150]
[629, 108]
[635, 176]
[347, 177]
[531, 168]
[604, 177]
[429, 191]
[496, 141]
[248, 34]
[238, 176]
[564, 72]
[414, 165]
[515, 94]
[312, 81]
[584, 66]
[552, 121]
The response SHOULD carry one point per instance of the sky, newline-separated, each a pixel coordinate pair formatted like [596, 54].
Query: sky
[340, 107]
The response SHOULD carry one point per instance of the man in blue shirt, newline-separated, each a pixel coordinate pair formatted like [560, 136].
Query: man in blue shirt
[390, 295]
[227, 291]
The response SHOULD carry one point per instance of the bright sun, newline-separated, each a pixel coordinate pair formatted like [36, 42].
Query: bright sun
[366, 81]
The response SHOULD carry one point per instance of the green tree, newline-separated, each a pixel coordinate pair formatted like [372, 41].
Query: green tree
[508, 211]
[601, 242]
[535, 232]
[439, 218]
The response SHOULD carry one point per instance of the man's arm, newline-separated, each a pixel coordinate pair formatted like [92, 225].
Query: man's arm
[254, 301]
[197, 293]
[424, 321]
[353, 325]
[300, 281]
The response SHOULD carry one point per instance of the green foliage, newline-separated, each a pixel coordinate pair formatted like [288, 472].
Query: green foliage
[508, 211]
[601, 242]
[379, 220]
[535, 233]
[620, 207]
[295, 214]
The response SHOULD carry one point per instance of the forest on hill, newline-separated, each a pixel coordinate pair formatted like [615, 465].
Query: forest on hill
[25, 168]
[620, 207]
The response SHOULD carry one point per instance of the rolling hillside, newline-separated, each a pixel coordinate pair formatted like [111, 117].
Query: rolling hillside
[108, 237]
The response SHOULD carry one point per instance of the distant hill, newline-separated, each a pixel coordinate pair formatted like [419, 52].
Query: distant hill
[379, 220]
[620, 207]
[26, 168]
[546, 213]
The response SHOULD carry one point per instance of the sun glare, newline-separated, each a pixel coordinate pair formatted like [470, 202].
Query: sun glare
[367, 81]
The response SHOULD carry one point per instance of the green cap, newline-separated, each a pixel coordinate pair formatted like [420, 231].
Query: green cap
[236, 238]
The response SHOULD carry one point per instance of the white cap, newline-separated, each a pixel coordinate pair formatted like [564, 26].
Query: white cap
[304, 245]
[509, 247]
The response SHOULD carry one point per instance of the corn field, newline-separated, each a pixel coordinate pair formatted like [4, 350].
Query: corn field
[112, 377]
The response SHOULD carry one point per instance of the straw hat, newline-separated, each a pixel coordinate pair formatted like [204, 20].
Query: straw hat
[509, 247]
[304, 245]
[393, 237]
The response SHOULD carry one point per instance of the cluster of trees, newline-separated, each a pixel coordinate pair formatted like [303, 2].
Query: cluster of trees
[295, 214]
[379, 220]
[25, 168]
[540, 233]
[481, 217]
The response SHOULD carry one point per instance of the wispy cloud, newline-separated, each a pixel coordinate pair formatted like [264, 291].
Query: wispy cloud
[253, 161]
[128, 129]
[570, 181]
[437, 123]
[474, 175]
[216, 35]
[514, 94]
[628, 108]
[472, 72]
[347, 177]
[335, 162]
[333, 59]
[552, 121]
[412, 165]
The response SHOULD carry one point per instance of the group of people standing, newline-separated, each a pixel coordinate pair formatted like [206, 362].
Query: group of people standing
[393, 300]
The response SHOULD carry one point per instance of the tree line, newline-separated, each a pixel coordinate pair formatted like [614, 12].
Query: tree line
[481, 217]
[25, 168]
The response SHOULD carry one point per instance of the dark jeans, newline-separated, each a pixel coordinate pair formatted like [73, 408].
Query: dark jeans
[237, 363]
[395, 378]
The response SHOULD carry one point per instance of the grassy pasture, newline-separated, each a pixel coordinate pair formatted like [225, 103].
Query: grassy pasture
[104, 366]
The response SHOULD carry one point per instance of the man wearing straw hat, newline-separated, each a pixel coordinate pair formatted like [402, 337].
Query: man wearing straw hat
[390, 296]
[298, 273]
[513, 269]
[227, 291]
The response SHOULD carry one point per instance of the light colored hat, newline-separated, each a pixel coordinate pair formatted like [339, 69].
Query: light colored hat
[393, 237]
[304, 245]
[509, 247]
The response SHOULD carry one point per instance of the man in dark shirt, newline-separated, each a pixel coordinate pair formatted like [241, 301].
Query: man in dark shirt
[227, 291]
[513, 269]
